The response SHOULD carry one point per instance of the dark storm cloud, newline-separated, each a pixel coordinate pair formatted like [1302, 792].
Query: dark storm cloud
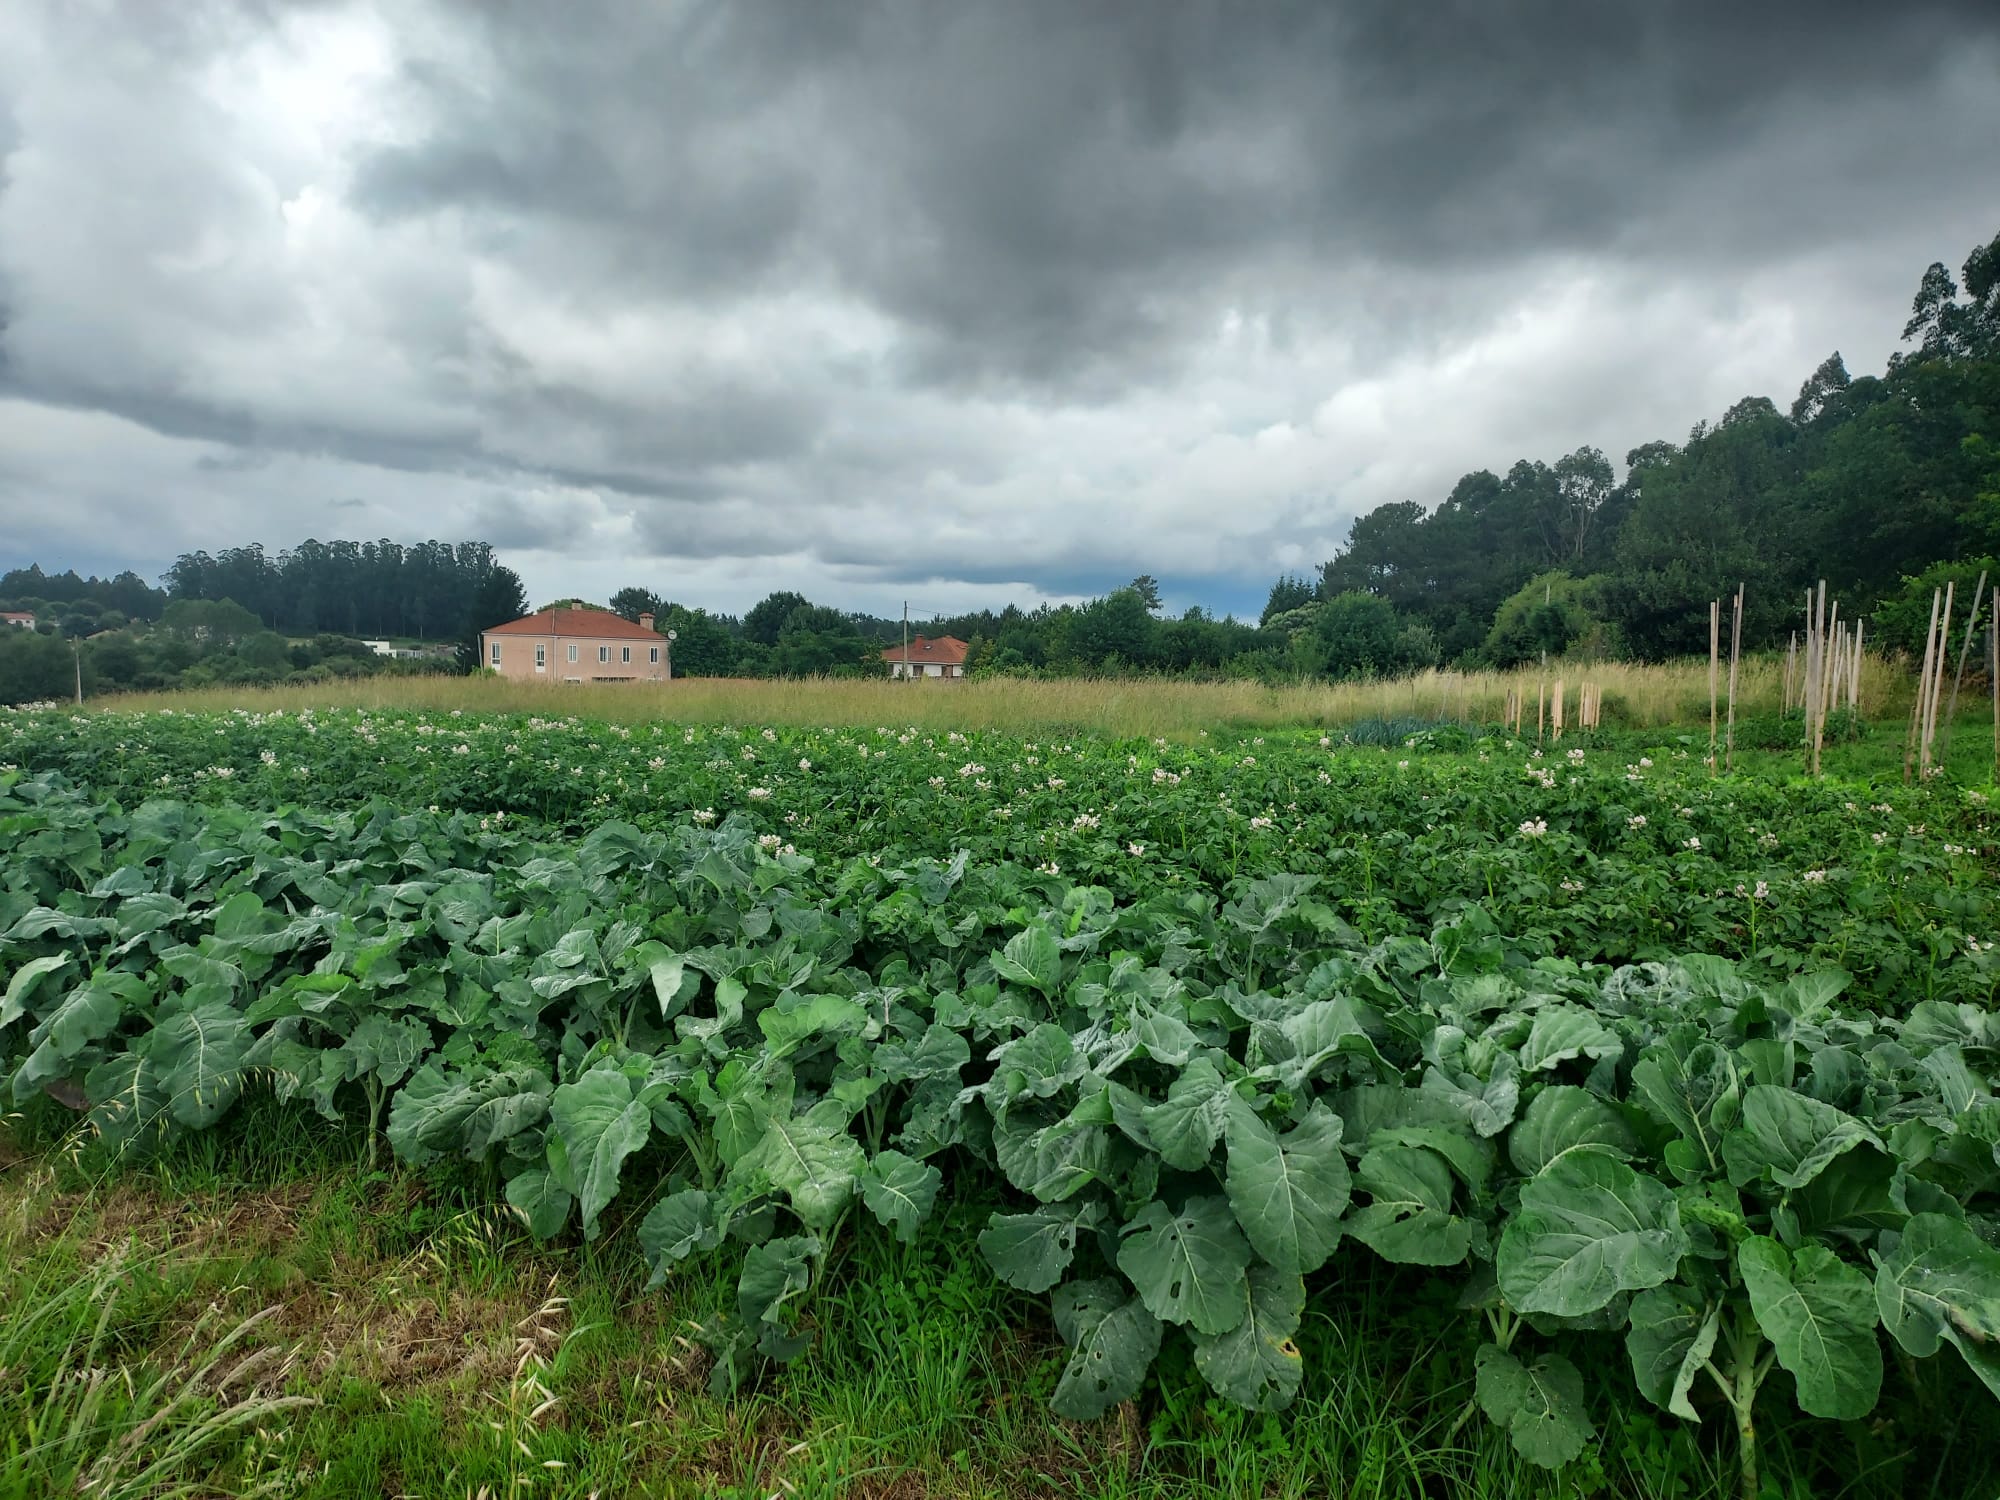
[1052, 193]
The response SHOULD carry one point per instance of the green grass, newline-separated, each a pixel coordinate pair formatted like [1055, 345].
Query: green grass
[256, 1312]
[1634, 695]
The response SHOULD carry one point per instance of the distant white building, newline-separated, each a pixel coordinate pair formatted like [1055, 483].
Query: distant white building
[20, 617]
[380, 648]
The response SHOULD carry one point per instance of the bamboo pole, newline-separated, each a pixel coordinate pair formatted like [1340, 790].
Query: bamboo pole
[1923, 688]
[1854, 673]
[1993, 634]
[1735, 651]
[1556, 717]
[1827, 610]
[1816, 610]
[1714, 656]
[1937, 685]
[1541, 691]
[1971, 625]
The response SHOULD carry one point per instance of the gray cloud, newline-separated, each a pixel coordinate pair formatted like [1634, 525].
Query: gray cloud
[889, 292]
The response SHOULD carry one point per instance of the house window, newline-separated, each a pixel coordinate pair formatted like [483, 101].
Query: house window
[541, 657]
[604, 653]
[572, 653]
[496, 653]
[624, 653]
[653, 655]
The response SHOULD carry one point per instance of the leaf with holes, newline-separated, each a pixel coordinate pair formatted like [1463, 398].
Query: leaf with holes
[1112, 1339]
[1188, 1267]
[1256, 1364]
[1539, 1406]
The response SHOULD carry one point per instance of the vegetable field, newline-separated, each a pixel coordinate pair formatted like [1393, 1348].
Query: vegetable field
[1681, 1083]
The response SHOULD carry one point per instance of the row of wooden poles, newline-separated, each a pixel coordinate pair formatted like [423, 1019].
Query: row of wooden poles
[1820, 674]
[1920, 748]
[1826, 674]
[1549, 709]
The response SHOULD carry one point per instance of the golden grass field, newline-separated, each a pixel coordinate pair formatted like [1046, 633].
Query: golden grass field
[1643, 696]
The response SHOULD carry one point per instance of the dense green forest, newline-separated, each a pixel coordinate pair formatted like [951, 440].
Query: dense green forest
[1884, 486]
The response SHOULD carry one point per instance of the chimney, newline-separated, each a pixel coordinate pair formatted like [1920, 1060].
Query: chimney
[646, 620]
[920, 644]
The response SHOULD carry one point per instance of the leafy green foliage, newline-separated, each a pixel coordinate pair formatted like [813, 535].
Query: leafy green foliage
[1167, 1091]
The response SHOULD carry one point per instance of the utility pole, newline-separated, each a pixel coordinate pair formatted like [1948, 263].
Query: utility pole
[76, 650]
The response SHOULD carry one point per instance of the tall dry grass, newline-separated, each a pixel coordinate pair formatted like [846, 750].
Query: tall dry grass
[1643, 696]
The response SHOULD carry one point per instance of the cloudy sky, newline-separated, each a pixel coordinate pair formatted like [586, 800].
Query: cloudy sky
[958, 303]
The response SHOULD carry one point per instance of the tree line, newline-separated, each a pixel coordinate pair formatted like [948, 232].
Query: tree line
[1867, 482]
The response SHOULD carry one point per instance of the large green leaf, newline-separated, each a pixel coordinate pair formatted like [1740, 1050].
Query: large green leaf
[1820, 1315]
[1789, 1137]
[775, 1273]
[1408, 1218]
[1672, 1334]
[1941, 1282]
[1185, 1127]
[679, 1225]
[22, 982]
[812, 1163]
[1588, 1228]
[1031, 1251]
[1697, 1094]
[1057, 1160]
[1256, 1364]
[542, 1203]
[128, 1098]
[437, 1112]
[1562, 1032]
[1188, 1267]
[1112, 1339]
[199, 1053]
[1031, 957]
[86, 1014]
[900, 1191]
[1563, 1118]
[1539, 1406]
[1036, 1065]
[600, 1124]
[1288, 1192]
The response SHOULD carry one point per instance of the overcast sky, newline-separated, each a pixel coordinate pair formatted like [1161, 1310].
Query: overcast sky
[960, 303]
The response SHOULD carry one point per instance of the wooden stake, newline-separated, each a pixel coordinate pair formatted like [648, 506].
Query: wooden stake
[1714, 657]
[1735, 651]
[1854, 676]
[1923, 688]
[1971, 624]
[1937, 684]
[1557, 716]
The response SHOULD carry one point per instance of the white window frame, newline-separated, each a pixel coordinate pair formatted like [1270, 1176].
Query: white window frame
[653, 655]
[603, 655]
[496, 653]
[624, 655]
[572, 653]
[541, 657]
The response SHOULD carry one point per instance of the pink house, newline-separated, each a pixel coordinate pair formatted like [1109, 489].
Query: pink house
[577, 645]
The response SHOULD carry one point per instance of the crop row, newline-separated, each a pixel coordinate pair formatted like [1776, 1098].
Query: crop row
[1178, 1104]
[1602, 854]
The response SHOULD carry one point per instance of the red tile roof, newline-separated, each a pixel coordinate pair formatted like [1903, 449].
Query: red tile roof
[944, 650]
[592, 624]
